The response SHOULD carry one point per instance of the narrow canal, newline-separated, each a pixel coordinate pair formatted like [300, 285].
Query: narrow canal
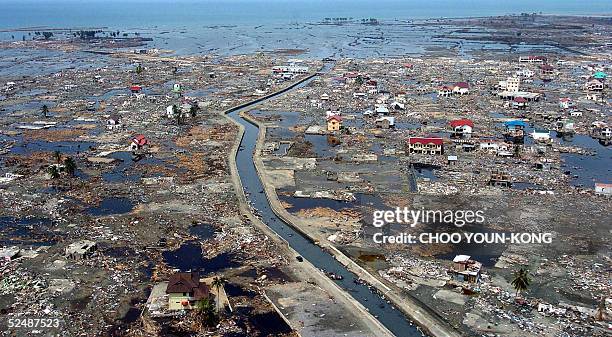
[390, 317]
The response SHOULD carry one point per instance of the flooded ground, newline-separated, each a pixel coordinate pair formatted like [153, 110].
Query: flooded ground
[22, 62]
[269, 324]
[126, 169]
[586, 170]
[485, 253]
[426, 171]
[111, 206]
[203, 231]
[32, 231]
[594, 166]
[67, 147]
[190, 257]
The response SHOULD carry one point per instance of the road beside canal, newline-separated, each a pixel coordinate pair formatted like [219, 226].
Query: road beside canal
[248, 168]
[245, 180]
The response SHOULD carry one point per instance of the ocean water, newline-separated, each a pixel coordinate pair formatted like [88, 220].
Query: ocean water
[229, 27]
[188, 13]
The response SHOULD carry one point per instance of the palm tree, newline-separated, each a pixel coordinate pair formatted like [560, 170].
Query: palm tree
[176, 113]
[359, 81]
[57, 156]
[70, 166]
[45, 110]
[194, 110]
[218, 282]
[53, 172]
[207, 311]
[517, 150]
[521, 280]
[139, 69]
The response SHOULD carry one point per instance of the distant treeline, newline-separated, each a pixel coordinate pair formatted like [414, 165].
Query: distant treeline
[46, 35]
[368, 21]
[82, 34]
[337, 19]
[91, 34]
[86, 34]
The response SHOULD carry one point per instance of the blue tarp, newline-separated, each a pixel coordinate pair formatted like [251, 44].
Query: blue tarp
[515, 123]
[600, 75]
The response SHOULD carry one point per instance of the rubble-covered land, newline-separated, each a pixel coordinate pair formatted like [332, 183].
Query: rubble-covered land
[525, 138]
[115, 176]
[120, 214]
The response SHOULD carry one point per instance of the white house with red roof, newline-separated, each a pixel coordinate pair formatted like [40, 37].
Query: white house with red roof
[603, 189]
[138, 142]
[461, 88]
[350, 77]
[426, 145]
[445, 91]
[462, 127]
[519, 102]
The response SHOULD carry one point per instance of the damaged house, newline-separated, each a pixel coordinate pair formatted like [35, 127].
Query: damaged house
[185, 291]
[465, 269]
[81, 250]
[138, 142]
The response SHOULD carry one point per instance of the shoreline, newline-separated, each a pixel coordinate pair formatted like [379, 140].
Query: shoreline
[309, 22]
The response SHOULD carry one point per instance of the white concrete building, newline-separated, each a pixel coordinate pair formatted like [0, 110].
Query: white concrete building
[541, 135]
[527, 73]
[381, 109]
[603, 189]
[513, 84]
